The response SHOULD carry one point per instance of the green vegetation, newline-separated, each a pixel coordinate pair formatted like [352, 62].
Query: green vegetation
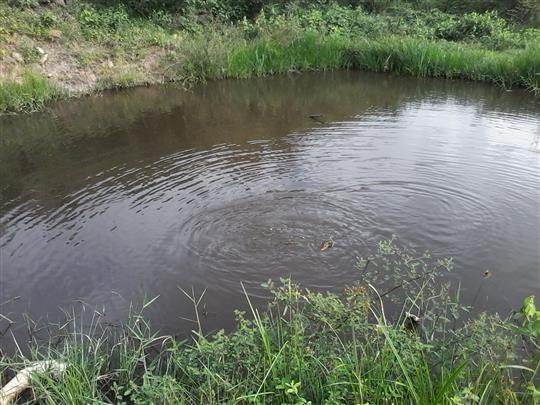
[94, 45]
[29, 94]
[413, 56]
[310, 347]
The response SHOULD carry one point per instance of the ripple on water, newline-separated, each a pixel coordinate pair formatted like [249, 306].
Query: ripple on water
[442, 174]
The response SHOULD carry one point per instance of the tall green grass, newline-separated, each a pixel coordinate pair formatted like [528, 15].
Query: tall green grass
[268, 56]
[29, 94]
[307, 51]
[425, 58]
[307, 348]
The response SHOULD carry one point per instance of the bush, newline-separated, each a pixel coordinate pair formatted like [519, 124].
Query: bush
[527, 11]
[48, 19]
[23, 3]
[479, 6]
[225, 10]
[142, 7]
[110, 19]
[470, 26]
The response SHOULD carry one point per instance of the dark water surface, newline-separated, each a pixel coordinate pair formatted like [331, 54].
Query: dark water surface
[108, 199]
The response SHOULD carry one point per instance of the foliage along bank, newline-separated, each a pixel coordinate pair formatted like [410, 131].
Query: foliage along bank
[398, 336]
[55, 51]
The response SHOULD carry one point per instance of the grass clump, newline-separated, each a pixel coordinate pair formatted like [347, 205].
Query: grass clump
[269, 56]
[29, 94]
[118, 79]
[398, 336]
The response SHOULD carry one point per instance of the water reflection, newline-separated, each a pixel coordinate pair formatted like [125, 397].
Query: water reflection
[141, 191]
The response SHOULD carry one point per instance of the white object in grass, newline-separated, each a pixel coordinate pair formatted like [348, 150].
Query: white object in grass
[21, 381]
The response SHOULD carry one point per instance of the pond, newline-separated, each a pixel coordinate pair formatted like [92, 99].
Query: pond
[110, 199]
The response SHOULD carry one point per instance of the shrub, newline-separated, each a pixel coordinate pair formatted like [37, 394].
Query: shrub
[470, 26]
[479, 6]
[225, 10]
[527, 11]
[23, 3]
[109, 19]
[48, 19]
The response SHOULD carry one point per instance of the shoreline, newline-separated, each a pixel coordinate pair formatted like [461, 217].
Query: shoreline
[304, 348]
[40, 90]
[58, 53]
[390, 327]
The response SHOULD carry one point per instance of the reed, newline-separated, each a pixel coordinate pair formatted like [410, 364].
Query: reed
[308, 51]
[423, 58]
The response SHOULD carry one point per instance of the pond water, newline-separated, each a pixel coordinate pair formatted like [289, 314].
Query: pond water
[113, 198]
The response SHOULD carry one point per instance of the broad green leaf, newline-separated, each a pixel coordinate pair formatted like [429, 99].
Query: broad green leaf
[529, 309]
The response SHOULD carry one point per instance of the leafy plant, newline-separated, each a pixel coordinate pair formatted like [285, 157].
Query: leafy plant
[530, 317]
[470, 26]
[305, 347]
[111, 19]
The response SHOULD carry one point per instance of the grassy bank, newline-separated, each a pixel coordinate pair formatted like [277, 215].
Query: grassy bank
[84, 47]
[410, 56]
[404, 341]
[30, 93]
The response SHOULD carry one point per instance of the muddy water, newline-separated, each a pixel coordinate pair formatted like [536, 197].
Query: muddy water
[113, 198]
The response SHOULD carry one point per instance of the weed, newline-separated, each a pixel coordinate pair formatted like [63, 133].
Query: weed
[307, 347]
[120, 78]
[30, 94]
[29, 51]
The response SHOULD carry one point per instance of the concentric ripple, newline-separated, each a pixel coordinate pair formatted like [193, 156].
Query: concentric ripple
[233, 183]
[276, 233]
